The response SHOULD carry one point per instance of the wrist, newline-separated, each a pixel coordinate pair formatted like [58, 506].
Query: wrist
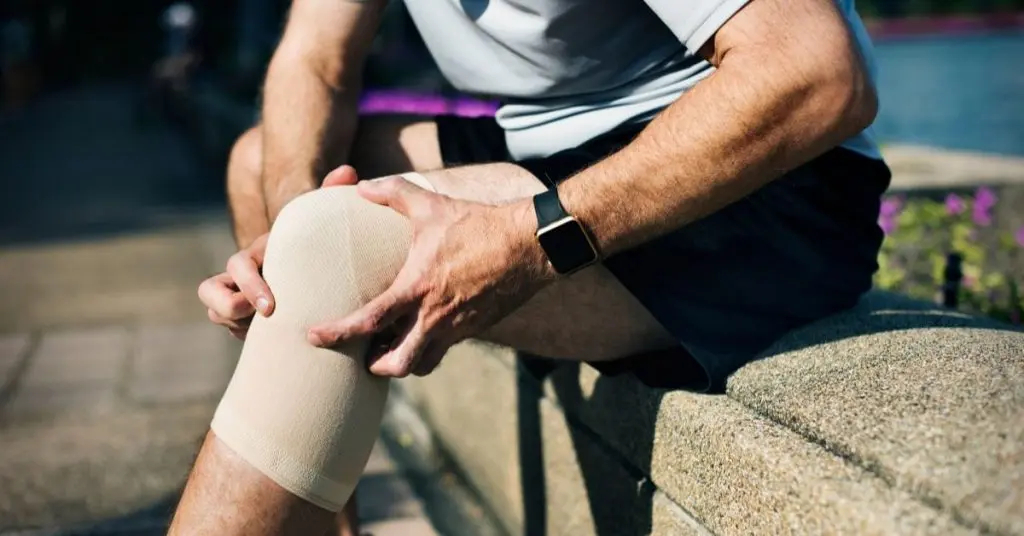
[527, 249]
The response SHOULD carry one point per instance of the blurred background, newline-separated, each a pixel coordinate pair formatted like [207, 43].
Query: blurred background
[116, 118]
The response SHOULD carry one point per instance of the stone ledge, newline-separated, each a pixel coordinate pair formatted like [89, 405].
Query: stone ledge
[800, 444]
[930, 401]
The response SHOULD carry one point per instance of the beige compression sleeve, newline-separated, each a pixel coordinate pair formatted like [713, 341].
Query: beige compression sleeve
[304, 416]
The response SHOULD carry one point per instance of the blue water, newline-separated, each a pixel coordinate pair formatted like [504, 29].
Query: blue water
[954, 92]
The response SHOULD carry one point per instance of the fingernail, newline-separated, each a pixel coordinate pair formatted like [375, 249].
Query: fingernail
[314, 338]
[263, 304]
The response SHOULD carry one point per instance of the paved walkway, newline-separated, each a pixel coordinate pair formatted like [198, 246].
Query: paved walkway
[108, 371]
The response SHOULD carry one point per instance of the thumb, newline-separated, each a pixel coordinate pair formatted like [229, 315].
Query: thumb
[341, 176]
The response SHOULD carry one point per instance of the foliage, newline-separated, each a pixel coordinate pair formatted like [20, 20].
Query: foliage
[922, 233]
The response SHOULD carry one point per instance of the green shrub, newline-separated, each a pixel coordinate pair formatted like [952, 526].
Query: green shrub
[922, 234]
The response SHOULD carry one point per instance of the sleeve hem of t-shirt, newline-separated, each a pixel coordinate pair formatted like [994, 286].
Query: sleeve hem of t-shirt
[715, 20]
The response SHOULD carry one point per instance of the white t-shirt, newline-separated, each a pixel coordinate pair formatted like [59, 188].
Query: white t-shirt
[570, 70]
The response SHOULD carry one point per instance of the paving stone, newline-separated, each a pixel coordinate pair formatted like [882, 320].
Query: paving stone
[12, 351]
[183, 362]
[78, 357]
[65, 472]
[111, 280]
[36, 400]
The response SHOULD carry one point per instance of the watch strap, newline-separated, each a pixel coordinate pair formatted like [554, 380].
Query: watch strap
[548, 208]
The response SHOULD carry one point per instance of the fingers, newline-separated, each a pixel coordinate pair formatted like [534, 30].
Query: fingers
[237, 328]
[341, 176]
[233, 297]
[244, 269]
[403, 359]
[230, 323]
[399, 194]
[415, 354]
[372, 318]
[219, 295]
[225, 305]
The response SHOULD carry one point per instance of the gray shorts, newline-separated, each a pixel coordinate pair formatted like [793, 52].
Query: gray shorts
[731, 284]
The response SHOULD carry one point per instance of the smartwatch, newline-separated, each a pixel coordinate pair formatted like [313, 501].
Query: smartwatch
[564, 240]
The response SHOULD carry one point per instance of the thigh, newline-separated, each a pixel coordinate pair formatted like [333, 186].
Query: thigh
[384, 145]
[392, 144]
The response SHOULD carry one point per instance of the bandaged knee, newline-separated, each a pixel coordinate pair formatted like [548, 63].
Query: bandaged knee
[307, 417]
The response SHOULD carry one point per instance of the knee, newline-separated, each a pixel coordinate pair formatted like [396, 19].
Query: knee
[245, 163]
[333, 237]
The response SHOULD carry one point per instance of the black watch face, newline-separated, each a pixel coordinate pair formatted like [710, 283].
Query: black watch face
[567, 247]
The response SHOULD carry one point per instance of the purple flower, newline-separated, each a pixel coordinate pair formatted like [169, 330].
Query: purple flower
[985, 197]
[1019, 236]
[984, 200]
[954, 204]
[891, 207]
[888, 212]
[982, 215]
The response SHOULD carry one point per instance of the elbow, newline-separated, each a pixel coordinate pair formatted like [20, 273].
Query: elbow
[860, 104]
[850, 98]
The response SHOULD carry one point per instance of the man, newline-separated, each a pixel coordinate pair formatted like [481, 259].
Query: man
[703, 169]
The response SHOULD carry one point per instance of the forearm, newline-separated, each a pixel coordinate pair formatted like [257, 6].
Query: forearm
[762, 113]
[311, 93]
[308, 127]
